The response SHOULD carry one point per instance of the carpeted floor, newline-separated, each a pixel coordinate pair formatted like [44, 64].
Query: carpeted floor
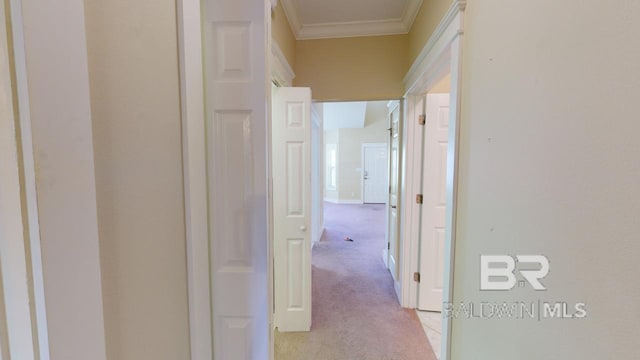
[356, 315]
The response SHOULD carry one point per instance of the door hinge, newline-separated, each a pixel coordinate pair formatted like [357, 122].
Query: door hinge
[422, 119]
[419, 199]
[388, 246]
[416, 277]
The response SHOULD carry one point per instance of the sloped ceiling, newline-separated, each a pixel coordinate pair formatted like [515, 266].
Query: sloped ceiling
[319, 19]
[341, 115]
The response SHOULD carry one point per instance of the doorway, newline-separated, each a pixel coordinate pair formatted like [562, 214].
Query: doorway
[351, 283]
[236, 105]
[432, 231]
[374, 173]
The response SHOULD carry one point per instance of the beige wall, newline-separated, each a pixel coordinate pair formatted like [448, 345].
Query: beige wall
[549, 165]
[58, 112]
[282, 34]
[133, 64]
[425, 23]
[361, 68]
[350, 151]
[443, 86]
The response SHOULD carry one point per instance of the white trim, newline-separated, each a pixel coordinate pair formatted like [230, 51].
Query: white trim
[344, 202]
[351, 29]
[396, 26]
[281, 71]
[316, 118]
[363, 147]
[410, 210]
[450, 26]
[17, 341]
[442, 54]
[28, 165]
[195, 178]
[292, 16]
[411, 9]
[318, 236]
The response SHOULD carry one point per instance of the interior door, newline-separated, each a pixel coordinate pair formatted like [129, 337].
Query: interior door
[237, 86]
[291, 143]
[434, 203]
[375, 174]
[394, 180]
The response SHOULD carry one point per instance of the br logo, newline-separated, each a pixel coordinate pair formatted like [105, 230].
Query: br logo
[498, 272]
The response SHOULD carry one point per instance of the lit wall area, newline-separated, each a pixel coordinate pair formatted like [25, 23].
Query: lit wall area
[348, 125]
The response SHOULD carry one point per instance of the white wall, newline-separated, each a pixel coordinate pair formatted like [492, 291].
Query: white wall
[549, 164]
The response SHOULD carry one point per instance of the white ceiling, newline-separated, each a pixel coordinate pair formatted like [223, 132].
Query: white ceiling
[317, 19]
[341, 115]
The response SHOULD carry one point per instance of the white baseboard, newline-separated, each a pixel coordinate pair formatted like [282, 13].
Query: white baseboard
[318, 237]
[339, 201]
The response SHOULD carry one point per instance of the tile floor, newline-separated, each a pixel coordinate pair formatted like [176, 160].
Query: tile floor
[432, 324]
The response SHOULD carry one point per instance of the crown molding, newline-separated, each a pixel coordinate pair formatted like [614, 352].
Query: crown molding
[281, 71]
[410, 12]
[449, 28]
[351, 29]
[292, 15]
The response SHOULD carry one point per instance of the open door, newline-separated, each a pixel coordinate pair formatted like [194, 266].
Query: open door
[433, 207]
[393, 249]
[291, 143]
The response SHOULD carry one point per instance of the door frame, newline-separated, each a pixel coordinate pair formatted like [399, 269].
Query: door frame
[442, 54]
[22, 332]
[364, 146]
[191, 71]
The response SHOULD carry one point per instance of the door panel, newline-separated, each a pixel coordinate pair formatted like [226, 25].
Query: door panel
[291, 143]
[375, 174]
[434, 205]
[394, 180]
[236, 87]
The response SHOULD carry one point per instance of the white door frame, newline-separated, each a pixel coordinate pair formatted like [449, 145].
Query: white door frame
[441, 55]
[364, 146]
[194, 156]
[318, 207]
[195, 178]
[18, 335]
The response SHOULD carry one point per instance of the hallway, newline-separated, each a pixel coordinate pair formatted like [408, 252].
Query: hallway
[356, 315]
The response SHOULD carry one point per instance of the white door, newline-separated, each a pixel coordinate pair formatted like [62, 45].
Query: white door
[291, 143]
[434, 203]
[394, 180]
[237, 116]
[375, 173]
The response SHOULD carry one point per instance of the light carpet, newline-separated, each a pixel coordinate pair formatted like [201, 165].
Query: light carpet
[355, 312]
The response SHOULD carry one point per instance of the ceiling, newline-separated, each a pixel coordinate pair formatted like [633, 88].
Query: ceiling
[341, 115]
[320, 19]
